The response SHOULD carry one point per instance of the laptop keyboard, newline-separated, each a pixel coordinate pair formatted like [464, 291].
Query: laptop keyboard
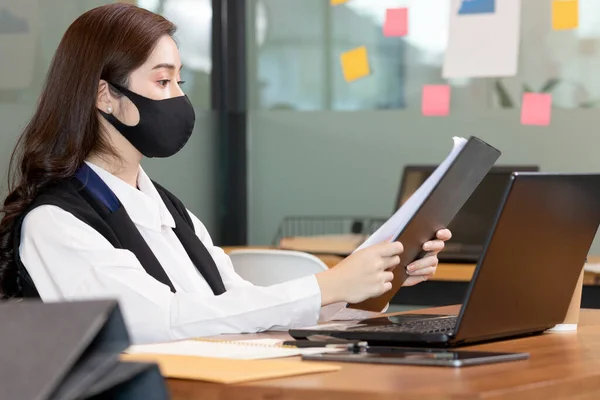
[439, 325]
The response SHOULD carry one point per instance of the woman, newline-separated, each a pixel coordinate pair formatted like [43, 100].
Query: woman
[83, 220]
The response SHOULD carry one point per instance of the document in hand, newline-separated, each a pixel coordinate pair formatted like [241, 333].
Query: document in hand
[70, 351]
[431, 208]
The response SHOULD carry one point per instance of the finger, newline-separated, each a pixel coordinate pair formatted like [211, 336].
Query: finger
[414, 280]
[444, 234]
[423, 271]
[391, 249]
[387, 286]
[387, 276]
[391, 262]
[429, 261]
[434, 246]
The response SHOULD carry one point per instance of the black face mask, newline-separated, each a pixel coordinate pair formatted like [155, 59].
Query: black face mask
[165, 125]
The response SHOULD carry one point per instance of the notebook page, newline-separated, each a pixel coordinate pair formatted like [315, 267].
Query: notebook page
[393, 226]
[278, 342]
[238, 350]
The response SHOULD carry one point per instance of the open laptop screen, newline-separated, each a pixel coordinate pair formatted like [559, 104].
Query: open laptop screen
[473, 222]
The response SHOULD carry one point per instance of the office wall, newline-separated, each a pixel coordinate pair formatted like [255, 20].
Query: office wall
[328, 161]
[190, 174]
[320, 164]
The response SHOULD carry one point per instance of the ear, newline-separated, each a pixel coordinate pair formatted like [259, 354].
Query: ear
[104, 101]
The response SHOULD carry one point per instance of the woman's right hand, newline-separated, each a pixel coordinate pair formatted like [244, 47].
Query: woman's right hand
[362, 275]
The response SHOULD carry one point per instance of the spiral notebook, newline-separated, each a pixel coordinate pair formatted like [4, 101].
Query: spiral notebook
[258, 349]
[227, 361]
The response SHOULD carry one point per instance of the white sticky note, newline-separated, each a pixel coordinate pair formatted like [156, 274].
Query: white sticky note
[483, 45]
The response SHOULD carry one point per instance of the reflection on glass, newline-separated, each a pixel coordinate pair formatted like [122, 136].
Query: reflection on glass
[194, 24]
[298, 66]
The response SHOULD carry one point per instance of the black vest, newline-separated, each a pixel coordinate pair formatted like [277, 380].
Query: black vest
[90, 200]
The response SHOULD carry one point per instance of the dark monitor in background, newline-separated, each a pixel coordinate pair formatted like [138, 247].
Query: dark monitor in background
[472, 224]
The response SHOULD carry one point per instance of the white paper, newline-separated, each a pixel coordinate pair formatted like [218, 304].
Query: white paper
[563, 328]
[321, 327]
[256, 349]
[397, 222]
[483, 45]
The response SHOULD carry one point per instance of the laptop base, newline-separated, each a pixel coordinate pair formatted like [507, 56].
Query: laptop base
[404, 339]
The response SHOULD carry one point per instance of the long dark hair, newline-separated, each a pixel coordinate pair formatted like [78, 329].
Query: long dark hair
[107, 42]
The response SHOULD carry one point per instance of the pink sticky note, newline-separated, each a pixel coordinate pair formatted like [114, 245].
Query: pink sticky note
[536, 109]
[396, 22]
[436, 100]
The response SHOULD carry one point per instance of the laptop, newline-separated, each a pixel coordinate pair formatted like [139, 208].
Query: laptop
[525, 277]
[472, 224]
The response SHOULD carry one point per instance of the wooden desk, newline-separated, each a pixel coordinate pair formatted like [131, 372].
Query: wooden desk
[562, 365]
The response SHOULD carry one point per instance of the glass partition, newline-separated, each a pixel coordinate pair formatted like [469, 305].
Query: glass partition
[30, 31]
[309, 155]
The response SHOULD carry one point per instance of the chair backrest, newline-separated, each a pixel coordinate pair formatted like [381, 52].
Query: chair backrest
[270, 267]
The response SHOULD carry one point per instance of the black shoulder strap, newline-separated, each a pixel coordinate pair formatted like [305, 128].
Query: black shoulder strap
[198, 253]
[108, 206]
[24, 281]
[94, 203]
[169, 198]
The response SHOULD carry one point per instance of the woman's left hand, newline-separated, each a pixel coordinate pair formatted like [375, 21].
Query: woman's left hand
[424, 268]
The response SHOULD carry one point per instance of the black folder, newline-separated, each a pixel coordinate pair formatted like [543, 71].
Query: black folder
[441, 205]
[63, 351]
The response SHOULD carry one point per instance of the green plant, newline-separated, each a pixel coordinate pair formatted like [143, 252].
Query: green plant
[506, 101]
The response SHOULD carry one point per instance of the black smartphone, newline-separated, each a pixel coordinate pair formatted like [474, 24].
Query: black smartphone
[421, 357]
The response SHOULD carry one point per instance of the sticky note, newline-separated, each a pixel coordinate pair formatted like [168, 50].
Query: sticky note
[337, 2]
[565, 14]
[436, 100]
[396, 22]
[355, 64]
[477, 7]
[536, 109]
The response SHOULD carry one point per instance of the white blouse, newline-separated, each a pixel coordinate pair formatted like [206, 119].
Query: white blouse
[69, 260]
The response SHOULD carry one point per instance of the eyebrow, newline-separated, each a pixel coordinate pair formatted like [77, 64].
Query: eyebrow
[166, 65]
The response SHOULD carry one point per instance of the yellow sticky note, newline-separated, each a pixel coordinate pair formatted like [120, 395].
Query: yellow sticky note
[338, 2]
[355, 64]
[565, 14]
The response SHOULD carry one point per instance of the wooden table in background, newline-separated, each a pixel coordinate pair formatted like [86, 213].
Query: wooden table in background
[445, 272]
[562, 365]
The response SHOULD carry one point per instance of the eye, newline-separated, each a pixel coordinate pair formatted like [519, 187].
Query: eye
[164, 82]
[181, 83]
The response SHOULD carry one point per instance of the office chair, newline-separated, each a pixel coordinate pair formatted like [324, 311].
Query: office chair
[270, 267]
